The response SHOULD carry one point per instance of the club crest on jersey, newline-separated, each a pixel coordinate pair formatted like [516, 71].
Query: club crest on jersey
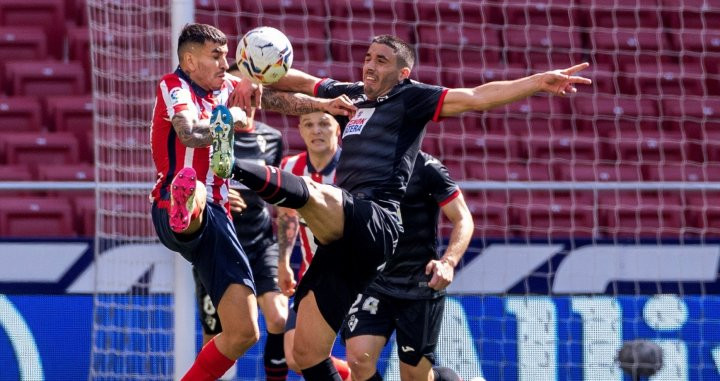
[358, 122]
[262, 143]
[352, 322]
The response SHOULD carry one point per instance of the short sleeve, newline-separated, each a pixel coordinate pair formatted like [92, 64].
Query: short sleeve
[438, 181]
[175, 97]
[424, 102]
[330, 88]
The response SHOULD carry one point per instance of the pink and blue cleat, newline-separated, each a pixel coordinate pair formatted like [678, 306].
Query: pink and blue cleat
[222, 157]
[182, 199]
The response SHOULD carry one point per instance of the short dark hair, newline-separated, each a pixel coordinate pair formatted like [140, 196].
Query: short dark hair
[405, 54]
[199, 34]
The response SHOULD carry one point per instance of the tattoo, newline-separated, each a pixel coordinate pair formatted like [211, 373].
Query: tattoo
[289, 103]
[288, 224]
[192, 133]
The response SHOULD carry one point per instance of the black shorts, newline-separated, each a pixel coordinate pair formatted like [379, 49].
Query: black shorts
[344, 268]
[213, 250]
[264, 265]
[209, 318]
[417, 323]
[291, 319]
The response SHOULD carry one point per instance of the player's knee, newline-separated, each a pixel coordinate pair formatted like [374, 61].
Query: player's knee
[275, 323]
[242, 338]
[361, 365]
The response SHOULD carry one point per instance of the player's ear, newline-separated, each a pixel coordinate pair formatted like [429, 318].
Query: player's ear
[404, 73]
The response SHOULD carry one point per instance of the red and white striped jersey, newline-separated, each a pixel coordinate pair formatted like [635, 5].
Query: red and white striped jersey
[299, 165]
[176, 92]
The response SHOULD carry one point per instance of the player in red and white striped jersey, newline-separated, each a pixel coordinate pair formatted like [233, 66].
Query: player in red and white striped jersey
[320, 132]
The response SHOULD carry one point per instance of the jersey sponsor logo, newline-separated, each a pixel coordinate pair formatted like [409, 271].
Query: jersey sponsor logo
[352, 322]
[406, 348]
[358, 122]
[359, 99]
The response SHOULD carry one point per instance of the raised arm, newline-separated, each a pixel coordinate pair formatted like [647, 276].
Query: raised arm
[297, 81]
[498, 93]
[288, 223]
[443, 270]
[191, 131]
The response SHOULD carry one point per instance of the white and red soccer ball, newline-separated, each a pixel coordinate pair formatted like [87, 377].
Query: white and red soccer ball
[264, 55]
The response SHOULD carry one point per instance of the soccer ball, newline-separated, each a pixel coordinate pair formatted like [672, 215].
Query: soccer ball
[264, 55]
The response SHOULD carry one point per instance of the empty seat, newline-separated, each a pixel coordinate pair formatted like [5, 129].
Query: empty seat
[73, 114]
[20, 114]
[372, 10]
[665, 79]
[308, 40]
[45, 78]
[533, 12]
[79, 49]
[222, 14]
[15, 172]
[493, 171]
[683, 172]
[22, 43]
[529, 116]
[125, 215]
[647, 147]
[543, 47]
[350, 40]
[623, 13]
[66, 172]
[458, 45]
[553, 215]
[47, 14]
[703, 213]
[84, 208]
[617, 47]
[41, 149]
[606, 114]
[35, 217]
[453, 12]
[691, 116]
[490, 214]
[633, 215]
[567, 147]
[598, 172]
[689, 14]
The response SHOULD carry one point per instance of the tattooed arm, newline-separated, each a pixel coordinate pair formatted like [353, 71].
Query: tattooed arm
[191, 131]
[299, 104]
[288, 223]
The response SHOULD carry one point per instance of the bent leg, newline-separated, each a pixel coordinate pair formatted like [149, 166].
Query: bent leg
[274, 307]
[314, 339]
[420, 372]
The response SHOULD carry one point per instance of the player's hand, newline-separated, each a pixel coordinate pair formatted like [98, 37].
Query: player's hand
[286, 279]
[562, 82]
[442, 274]
[341, 105]
[246, 95]
[237, 203]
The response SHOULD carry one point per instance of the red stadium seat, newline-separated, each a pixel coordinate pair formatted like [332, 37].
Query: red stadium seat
[295, 143]
[598, 172]
[351, 39]
[45, 78]
[618, 47]
[124, 215]
[665, 79]
[66, 172]
[48, 14]
[36, 217]
[490, 213]
[73, 114]
[459, 45]
[683, 172]
[84, 208]
[530, 116]
[711, 146]
[47, 148]
[632, 215]
[607, 114]
[15, 172]
[493, 171]
[20, 114]
[222, 14]
[372, 10]
[79, 49]
[691, 116]
[553, 215]
[534, 12]
[703, 213]
[22, 43]
[649, 147]
[567, 147]
[431, 145]
[486, 146]
[543, 47]
[622, 13]
[689, 14]
[308, 40]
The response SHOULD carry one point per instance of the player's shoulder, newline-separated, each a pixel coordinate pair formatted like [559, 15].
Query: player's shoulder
[171, 80]
[289, 161]
[429, 165]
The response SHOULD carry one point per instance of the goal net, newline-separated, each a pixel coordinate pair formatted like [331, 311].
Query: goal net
[596, 215]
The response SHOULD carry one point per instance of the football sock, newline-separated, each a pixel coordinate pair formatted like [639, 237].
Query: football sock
[445, 374]
[274, 357]
[375, 377]
[323, 371]
[342, 367]
[271, 184]
[209, 365]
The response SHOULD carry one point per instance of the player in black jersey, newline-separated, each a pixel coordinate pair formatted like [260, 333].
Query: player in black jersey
[408, 295]
[258, 143]
[357, 225]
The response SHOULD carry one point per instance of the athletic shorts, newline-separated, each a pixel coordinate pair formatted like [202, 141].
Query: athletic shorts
[209, 318]
[417, 323]
[343, 269]
[291, 319]
[264, 265]
[213, 250]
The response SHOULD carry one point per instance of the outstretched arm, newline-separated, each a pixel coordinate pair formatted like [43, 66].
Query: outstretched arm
[443, 270]
[494, 94]
[297, 81]
[299, 104]
[191, 131]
